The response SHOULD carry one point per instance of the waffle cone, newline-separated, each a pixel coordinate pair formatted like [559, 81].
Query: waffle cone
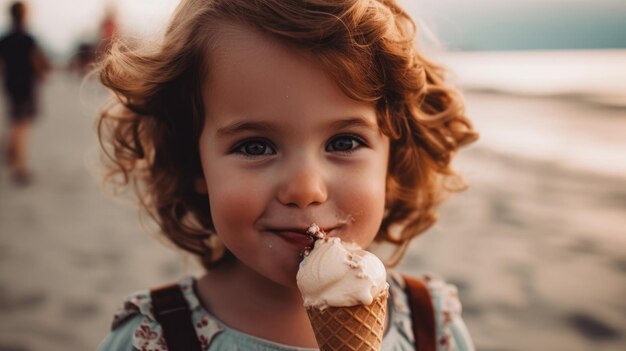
[358, 327]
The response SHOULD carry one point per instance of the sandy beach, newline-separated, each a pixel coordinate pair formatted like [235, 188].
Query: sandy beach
[537, 245]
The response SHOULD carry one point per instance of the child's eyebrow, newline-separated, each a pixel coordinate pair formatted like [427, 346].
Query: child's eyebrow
[353, 122]
[242, 126]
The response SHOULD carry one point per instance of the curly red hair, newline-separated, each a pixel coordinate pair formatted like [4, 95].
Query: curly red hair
[150, 132]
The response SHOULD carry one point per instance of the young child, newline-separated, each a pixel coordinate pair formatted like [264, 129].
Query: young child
[254, 119]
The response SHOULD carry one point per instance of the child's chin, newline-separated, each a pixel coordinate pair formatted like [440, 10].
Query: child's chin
[287, 280]
[284, 268]
[287, 276]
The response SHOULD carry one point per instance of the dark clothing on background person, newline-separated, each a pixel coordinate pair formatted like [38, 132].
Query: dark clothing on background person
[16, 52]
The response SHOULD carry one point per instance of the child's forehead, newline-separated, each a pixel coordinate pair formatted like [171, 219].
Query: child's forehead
[255, 76]
[239, 47]
[246, 63]
[234, 40]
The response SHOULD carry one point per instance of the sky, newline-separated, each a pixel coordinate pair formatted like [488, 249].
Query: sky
[478, 25]
[485, 25]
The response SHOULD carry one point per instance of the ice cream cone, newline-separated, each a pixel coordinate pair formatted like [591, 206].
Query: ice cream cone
[358, 327]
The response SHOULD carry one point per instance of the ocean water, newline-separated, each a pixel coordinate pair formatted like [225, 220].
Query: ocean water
[565, 107]
[597, 76]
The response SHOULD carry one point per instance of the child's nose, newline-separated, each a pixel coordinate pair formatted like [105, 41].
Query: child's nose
[302, 188]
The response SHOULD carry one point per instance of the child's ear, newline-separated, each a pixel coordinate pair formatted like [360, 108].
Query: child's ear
[200, 186]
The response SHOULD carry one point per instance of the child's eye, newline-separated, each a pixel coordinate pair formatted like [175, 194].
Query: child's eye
[345, 143]
[254, 148]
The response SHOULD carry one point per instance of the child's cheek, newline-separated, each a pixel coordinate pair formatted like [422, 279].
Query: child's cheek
[361, 200]
[235, 204]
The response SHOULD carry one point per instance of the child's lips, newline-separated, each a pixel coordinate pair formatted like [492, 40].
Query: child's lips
[296, 236]
[299, 239]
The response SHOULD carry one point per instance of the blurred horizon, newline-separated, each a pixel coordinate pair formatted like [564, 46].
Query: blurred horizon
[486, 25]
[490, 45]
[550, 49]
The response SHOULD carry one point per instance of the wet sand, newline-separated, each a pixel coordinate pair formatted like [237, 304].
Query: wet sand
[536, 246]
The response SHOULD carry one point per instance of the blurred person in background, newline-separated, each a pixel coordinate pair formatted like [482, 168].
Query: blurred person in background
[108, 30]
[88, 52]
[24, 66]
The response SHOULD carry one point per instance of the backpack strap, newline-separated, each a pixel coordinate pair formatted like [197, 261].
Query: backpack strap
[422, 314]
[171, 310]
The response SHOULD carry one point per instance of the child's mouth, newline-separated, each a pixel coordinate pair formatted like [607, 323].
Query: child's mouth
[302, 239]
[315, 233]
[296, 238]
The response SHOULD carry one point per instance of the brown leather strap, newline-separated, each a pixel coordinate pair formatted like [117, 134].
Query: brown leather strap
[172, 311]
[422, 314]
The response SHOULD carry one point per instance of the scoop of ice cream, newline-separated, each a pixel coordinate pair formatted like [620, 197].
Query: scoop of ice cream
[340, 274]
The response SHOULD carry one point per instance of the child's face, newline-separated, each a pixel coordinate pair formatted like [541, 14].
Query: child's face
[283, 147]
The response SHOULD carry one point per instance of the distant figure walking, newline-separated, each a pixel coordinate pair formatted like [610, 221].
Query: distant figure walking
[24, 66]
[88, 52]
[108, 31]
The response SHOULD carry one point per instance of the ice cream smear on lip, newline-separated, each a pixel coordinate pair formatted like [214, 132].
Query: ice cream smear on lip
[315, 231]
[339, 274]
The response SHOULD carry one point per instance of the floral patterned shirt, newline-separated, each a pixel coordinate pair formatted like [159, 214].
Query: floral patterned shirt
[135, 328]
